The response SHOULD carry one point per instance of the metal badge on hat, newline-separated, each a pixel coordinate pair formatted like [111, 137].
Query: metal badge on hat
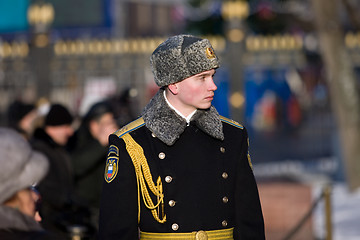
[210, 53]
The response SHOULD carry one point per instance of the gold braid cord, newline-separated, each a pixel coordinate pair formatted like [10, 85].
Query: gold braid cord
[144, 180]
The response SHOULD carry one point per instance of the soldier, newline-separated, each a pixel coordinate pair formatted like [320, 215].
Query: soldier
[181, 171]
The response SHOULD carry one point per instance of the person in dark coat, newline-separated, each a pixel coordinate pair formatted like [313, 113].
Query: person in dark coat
[181, 171]
[21, 167]
[88, 150]
[57, 187]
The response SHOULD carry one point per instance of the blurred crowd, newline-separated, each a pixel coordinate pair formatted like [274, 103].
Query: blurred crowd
[52, 170]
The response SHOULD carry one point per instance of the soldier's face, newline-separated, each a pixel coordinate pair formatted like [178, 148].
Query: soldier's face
[196, 92]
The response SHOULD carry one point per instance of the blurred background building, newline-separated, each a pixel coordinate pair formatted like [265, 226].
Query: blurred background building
[272, 79]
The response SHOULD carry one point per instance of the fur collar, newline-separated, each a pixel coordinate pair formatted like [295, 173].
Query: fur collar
[11, 218]
[167, 125]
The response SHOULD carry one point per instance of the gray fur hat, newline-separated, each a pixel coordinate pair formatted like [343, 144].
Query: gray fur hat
[180, 57]
[20, 165]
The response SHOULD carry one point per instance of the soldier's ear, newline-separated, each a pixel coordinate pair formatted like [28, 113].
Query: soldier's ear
[173, 88]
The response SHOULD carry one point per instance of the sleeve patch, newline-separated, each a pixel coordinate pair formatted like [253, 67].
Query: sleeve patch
[113, 150]
[112, 162]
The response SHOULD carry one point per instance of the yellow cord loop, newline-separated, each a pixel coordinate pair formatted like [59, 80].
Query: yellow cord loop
[144, 180]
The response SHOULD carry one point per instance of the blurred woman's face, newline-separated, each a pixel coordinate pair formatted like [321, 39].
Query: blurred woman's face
[27, 199]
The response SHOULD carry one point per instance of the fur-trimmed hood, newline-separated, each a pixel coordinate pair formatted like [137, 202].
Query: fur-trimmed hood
[167, 125]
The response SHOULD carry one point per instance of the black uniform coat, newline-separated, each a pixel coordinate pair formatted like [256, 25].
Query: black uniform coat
[205, 170]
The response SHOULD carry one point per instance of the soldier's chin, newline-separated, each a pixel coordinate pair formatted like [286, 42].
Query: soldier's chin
[204, 107]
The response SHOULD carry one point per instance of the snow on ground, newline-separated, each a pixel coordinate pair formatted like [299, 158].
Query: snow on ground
[345, 213]
[345, 204]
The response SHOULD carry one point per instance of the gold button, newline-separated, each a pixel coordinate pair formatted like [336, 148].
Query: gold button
[201, 235]
[175, 226]
[225, 199]
[222, 149]
[224, 175]
[172, 203]
[153, 135]
[224, 223]
[168, 179]
[161, 155]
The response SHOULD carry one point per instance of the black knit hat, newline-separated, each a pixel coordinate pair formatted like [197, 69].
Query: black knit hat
[58, 115]
[17, 111]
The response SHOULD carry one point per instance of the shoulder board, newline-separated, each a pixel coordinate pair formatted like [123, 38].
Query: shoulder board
[130, 127]
[231, 122]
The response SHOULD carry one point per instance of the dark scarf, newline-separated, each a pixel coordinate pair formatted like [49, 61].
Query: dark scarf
[40, 134]
[167, 125]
